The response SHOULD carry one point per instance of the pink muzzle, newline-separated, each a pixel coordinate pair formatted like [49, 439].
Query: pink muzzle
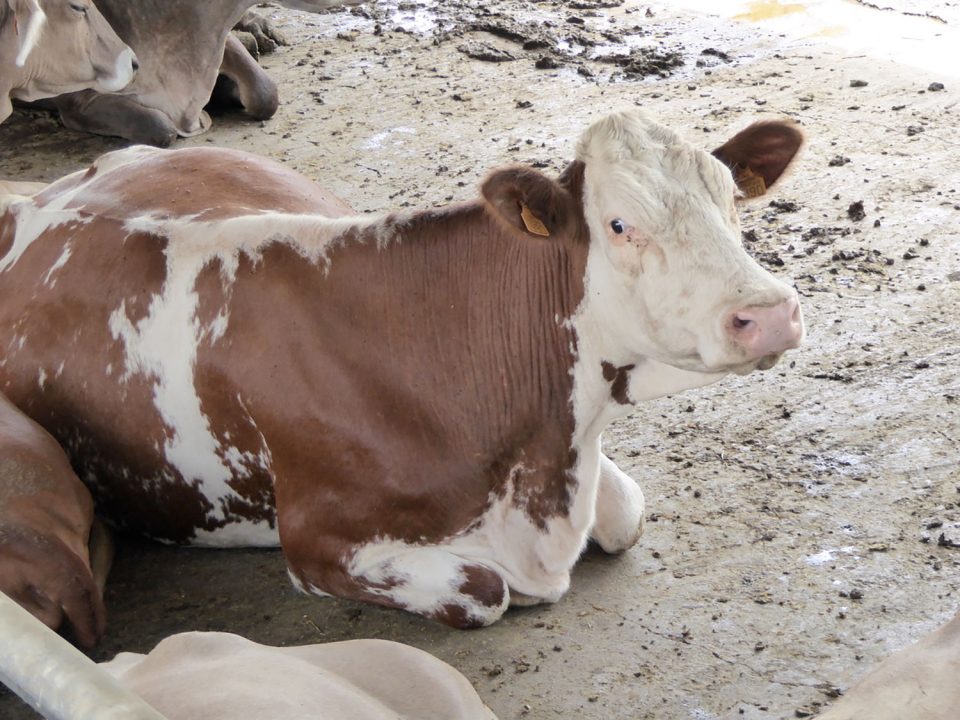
[767, 330]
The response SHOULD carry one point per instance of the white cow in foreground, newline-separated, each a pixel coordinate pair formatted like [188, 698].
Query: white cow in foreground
[214, 676]
[219, 676]
[49, 47]
[921, 682]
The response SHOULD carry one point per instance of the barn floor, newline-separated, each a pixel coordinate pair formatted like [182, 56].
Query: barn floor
[804, 522]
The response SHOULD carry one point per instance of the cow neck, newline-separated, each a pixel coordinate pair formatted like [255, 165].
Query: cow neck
[490, 298]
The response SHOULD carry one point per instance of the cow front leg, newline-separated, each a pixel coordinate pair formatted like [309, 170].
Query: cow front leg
[242, 81]
[46, 517]
[620, 506]
[428, 581]
[117, 116]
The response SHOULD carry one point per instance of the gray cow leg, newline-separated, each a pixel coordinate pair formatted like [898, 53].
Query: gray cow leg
[115, 115]
[243, 82]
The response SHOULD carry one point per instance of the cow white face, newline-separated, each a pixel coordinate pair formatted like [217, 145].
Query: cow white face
[67, 46]
[667, 275]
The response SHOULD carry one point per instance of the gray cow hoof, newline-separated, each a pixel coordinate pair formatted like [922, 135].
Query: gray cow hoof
[261, 32]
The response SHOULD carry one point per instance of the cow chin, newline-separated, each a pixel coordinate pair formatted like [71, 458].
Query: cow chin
[764, 363]
[111, 84]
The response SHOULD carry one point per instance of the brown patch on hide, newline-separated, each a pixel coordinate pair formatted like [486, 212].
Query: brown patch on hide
[619, 379]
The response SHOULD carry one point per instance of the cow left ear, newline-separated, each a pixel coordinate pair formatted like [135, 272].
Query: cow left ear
[759, 155]
[527, 201]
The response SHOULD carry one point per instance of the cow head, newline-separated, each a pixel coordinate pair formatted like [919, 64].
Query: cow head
[667, 277]
[66, 45]
[667, 261]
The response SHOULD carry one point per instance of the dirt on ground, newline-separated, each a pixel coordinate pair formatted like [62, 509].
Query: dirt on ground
[803, 522]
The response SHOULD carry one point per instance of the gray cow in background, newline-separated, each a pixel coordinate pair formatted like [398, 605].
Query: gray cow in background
[48, 47]
[183, 45]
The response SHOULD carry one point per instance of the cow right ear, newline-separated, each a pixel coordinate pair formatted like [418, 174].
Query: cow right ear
[28, 20]
[527, 201]
[759, 155]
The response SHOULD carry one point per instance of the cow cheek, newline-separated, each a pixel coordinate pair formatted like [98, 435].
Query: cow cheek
[629, 262]
[679, 319]
[629, 254]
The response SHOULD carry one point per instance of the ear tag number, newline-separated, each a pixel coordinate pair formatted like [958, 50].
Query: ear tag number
[532, 222]
[751, 184]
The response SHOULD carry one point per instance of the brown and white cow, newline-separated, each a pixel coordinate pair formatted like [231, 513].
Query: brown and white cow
[411, 403]
[184, 46]
[49, 47]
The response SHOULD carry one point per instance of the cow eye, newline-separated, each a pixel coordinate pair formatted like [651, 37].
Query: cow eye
[617, 226]
[79, 8]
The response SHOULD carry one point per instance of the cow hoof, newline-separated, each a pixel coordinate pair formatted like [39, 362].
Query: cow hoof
[265, 36]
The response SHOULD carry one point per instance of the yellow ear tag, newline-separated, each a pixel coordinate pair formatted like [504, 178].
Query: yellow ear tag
[532, 222]
[751, 184]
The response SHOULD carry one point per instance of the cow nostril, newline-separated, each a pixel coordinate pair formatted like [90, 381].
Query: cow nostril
[740, 323]
[135, 65]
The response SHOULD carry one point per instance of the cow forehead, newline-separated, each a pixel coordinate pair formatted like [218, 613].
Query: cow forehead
[633, 161]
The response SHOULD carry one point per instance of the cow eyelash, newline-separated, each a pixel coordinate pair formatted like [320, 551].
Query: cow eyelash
[79, 8]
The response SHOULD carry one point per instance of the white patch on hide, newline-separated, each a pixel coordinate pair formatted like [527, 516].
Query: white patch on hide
[239, 533]
[31, 223]
[61, 261]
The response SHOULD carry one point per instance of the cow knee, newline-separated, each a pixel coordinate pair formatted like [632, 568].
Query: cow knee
[242, 81]
[149, 127]
[261, 101]
[620, 509]
[429, 581]
[481, 600]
